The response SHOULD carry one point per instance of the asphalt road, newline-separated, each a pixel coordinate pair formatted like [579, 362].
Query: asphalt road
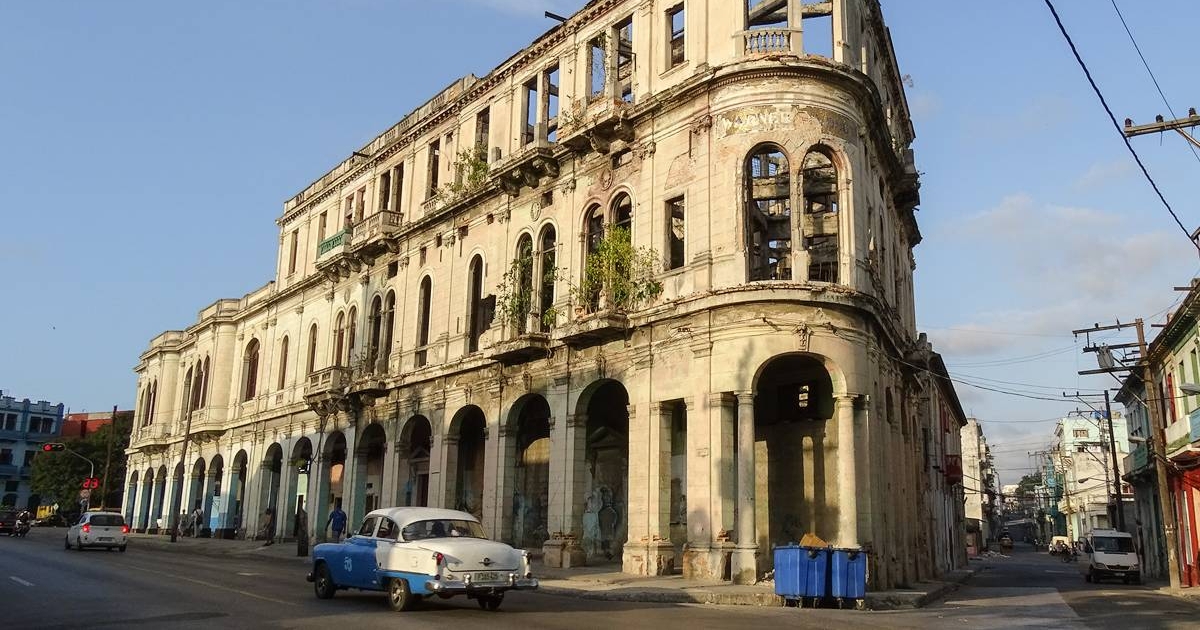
[44, 586]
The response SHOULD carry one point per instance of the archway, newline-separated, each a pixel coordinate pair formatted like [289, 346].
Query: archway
[131, 494]
[143, 519]
[331, 491]
[298, 471]
[268, 493]
[606, 474]
[177, 494]
[416, 443]
[368, 472]
[529, 450]
[465, 458]
[34, 502]
[233, 520]
[212, 496]
[157, 513]
[794, 476]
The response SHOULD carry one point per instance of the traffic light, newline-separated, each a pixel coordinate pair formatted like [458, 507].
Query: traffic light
[53, 446]
[90, 483]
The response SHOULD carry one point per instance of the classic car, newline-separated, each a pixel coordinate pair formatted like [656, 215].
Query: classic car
[415, 552]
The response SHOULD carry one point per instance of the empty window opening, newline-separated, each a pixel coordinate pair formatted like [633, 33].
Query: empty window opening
[623, 216]
[595, 234]
[321, 225]
[675, 233]
[675, 27]
[817, 26]
[475, 323]
[435, 154]
[385, 191]
[821, 216]
[483, 127]
[351, 334]
[550, 102]
[294, 247]
[548, 274]
[421, 257]
[764, 14]
[389, 323]
[621, 158]
[250, 363]
[339, 339]
[397, 187]
[597, 66]
[524, 268]
[529, 124]
[392, 269]
[769, 215]
[547, 199]
[312, 350]
[423, 308]
[624, 60]
[360, 201]
[375, 334]
[348, 212]
[283, 362]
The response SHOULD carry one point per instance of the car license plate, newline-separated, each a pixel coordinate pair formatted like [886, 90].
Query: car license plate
[1118, 573]
[487, 576]
[105, 539]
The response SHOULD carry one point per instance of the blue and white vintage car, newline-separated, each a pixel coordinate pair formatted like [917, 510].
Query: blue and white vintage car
[414, 552]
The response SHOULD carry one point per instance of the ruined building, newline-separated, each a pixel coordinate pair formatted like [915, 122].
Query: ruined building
[642, 294]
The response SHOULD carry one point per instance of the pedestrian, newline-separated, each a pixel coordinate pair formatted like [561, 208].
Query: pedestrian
[337, 521]
[197, 514]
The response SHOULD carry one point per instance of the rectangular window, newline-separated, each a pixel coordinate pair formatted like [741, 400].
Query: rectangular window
[817, 25]
[676, 54]
[295, 245]
[422, 256]
[597, 67]
[675, 233]
[398, 187]
[530, 98]
[321, 220]
[550, 102]
[348, 211]
[1081, 433]
[360, 198]
[435, 154]
[6, 456]
[11, 486]
[385, 191]
[625, 60]
[1195, 371]
[29, 457]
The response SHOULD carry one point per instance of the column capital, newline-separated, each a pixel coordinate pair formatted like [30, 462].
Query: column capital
[720, 399]
[745, 397]
[574, 420]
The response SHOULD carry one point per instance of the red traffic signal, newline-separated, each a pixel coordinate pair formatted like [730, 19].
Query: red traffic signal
[53, 446]
[90, 483]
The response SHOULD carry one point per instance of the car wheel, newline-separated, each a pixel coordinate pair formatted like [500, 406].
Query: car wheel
[66, 543]
[1137, 579]
[490, 602]
[78, 545]
[400, 597]
[122, 548]
[1088, 576]
[323, 585]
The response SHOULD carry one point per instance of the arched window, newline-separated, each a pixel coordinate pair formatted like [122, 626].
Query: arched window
[351, 334]
[546, 275]
[312, 349]
[376, 334]
[283, 359]
[622, 216]
[389, 325]
[204, 384]
[821, 217]
[153, 401]
[475, 323]
[189, 390]
[524, 268]
[424, 300]
[197, 388]
[594, 224]
[768, 214]
[250, 363]
[339, 338]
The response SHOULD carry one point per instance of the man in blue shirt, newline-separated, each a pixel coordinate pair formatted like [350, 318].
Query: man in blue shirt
[337, 520]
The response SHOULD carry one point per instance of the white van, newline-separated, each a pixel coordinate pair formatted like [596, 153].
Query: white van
[1109, 553]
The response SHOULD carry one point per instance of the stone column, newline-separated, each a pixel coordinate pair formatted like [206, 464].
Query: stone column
[449, 452]
[847, 473]
[567, 492]
[659, 552]
[745, 566]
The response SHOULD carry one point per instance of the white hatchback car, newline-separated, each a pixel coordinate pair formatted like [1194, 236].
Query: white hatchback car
[98, 529]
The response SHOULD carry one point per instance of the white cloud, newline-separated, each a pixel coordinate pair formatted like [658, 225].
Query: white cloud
[923, 105]
[1102, 174]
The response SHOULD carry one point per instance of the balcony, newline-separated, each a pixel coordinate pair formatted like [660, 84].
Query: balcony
[373, 235]
[333, 255]
[594, 328]
[597, 126]
[11, 435]
[767, 41]
[520, 348]
[334, 245]
[329, 381]
[953, 469]
[526, 167]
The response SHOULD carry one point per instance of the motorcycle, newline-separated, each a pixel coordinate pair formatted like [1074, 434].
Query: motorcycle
[21, 529]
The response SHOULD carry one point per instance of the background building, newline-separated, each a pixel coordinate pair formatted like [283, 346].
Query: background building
[641, 295]
[80, 425]
[980, 498]
[1082, 454]
[24, 427]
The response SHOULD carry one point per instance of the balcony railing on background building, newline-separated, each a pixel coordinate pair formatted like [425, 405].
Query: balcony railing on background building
[767, 40]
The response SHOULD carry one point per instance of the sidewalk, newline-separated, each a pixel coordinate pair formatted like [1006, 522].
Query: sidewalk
[605, 584]
[598, 583]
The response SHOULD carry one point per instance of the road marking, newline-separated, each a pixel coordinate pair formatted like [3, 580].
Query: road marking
[247, 573]
[175, 576]
[20, 581]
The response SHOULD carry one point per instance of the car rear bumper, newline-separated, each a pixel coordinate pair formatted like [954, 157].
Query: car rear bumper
[455, 587]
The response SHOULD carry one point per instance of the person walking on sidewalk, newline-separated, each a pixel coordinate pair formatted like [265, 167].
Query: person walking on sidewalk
[197, 514]
[337, 520]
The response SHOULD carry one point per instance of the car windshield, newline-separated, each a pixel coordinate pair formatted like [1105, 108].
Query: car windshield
[1112, 544]
[107, 520]
[442, 528]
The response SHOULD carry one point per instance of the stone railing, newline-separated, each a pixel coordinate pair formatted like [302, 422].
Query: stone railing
[761, 41]
[335, 244]
[330, 379]
[380, 224]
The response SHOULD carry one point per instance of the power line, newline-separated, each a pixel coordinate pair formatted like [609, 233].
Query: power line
[1151, 73]
[1011, 360]
[1117, 126]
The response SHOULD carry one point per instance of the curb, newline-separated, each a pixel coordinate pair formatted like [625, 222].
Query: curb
[219, 553]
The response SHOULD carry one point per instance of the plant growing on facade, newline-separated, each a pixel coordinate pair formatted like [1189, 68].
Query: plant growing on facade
[514, 295]
[472, 171]
[617, 275]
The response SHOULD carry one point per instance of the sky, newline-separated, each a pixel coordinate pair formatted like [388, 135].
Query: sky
[146, 150]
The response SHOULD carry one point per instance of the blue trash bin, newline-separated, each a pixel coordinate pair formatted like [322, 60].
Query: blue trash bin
[848, 572]
[801, 572]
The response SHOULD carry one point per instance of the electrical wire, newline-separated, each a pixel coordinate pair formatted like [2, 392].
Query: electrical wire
[1151, 73]
[1013, 360]
[1117, 126]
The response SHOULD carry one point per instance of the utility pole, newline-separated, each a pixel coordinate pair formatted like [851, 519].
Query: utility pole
[1158, 424]
[112, 428]
[1112, 449]
[1159, 125]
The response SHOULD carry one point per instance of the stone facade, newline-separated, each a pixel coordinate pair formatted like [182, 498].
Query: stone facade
[429, 337]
